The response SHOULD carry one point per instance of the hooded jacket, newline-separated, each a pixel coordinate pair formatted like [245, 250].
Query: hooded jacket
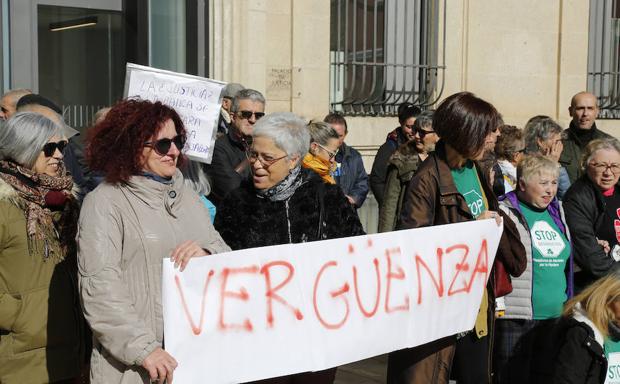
[125, 231]
[41, 331]
[378, 174]
[402, 165]
[581, 356]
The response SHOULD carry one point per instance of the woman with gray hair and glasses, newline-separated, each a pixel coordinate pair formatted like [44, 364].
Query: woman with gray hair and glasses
[543, 136]
[284, 203]
[592, 206]
[40, 318]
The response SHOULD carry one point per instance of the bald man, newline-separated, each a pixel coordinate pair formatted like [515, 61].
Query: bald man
[582, 130]
[8, 102]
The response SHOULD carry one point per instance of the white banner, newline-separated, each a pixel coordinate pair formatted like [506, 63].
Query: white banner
[196, 99]
[267, 312]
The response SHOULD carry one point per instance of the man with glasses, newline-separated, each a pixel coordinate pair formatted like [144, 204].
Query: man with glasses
[230, 165]
[407, 114]
[8, 102]
[350, 174]
[582, 130]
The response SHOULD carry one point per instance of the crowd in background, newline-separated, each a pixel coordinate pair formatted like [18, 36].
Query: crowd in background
[86, 219]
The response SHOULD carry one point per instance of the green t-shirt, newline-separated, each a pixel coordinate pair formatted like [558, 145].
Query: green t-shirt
[468, 185]
[550, 252]
[612, 353]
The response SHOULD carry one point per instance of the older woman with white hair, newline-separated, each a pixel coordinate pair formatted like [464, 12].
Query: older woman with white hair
[41, 326]
[284, 203]
[593, 212]
[539, 294]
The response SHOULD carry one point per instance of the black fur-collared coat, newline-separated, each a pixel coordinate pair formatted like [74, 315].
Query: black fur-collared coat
[245, 220]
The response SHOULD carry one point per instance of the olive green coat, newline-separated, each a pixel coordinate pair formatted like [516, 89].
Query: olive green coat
[401, 167]
[40, 321]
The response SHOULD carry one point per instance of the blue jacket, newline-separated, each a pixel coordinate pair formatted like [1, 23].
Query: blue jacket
[351, 175]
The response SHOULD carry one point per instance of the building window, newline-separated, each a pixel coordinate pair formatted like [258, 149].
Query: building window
[604, 56]
[384, 53]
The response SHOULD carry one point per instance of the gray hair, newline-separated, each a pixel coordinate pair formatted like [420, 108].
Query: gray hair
[195, 177]
[246, 94]
[23, 136]
[321, 132]
[424, 120]
[539, 128]
[596, 145]
[536, 165]
[287, 130]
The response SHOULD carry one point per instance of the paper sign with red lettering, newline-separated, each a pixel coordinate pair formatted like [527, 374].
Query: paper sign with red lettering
[272, 311]
[196, 99]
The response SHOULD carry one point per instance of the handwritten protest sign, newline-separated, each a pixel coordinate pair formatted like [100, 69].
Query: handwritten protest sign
[272, 311]
[196, 99]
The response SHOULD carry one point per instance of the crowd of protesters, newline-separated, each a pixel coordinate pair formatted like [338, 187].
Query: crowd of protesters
[84, 229]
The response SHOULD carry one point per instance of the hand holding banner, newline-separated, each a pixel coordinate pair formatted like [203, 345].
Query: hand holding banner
[272, 311]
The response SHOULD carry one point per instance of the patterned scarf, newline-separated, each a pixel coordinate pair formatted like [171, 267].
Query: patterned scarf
[51, 211]
[285, 188]
[323, 167]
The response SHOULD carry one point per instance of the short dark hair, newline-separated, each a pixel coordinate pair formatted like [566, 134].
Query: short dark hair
[463, 121]
[35, 99]
[115, 144]
[407, 111]
[337, 118]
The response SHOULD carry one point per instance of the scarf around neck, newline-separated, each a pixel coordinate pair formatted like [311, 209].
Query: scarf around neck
[285, 188]
[322, 167]
[50, 209]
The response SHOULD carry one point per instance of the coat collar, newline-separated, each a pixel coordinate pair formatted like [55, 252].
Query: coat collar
[155, 194]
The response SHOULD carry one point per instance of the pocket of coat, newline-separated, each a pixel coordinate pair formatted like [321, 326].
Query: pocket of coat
[29, 328]
[10, 306]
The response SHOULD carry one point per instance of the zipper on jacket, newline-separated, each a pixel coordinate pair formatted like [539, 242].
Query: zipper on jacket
[288, 223]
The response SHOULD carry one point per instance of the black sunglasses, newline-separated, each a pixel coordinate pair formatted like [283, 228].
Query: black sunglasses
[422, 132]
[248, 114]
[162, 146]
[50, 148]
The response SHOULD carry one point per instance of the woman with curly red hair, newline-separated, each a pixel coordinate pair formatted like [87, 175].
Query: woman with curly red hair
[143, 213]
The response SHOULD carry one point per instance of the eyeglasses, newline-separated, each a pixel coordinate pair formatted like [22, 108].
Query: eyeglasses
[50, 148]
[602, 167]
[162, 146]
[248, 114]
[422, 132]
[265, 161]
[329, 153]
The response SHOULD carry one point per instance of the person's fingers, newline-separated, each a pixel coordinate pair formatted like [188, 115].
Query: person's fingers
[162, 372]
[194, 251]
[169, 377]
[498, 219]
[179, 249]
[152, 373]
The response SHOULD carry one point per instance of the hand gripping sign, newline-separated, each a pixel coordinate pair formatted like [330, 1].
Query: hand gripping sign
[196, 99]
[271, 311]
